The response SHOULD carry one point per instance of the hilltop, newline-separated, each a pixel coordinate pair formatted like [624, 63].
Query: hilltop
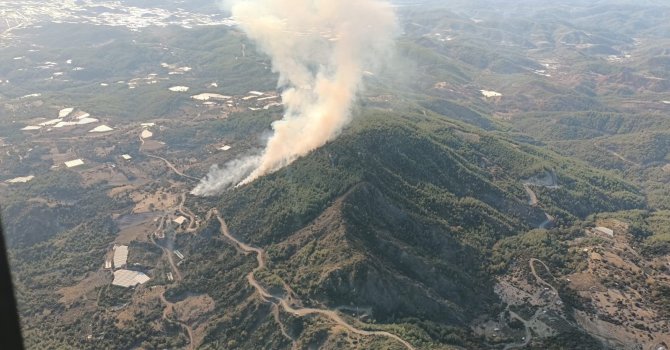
[503, 184]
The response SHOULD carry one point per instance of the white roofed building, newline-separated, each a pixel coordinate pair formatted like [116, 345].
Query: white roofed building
[128, 278]
[74, 163]
[605, 231]
[23, 179]
[101, 128]
[179, 88]
[146, 134]
[120, 256]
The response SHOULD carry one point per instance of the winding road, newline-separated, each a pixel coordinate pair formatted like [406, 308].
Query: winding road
[532, 197]
[178, 277]
[170, 306]
[167, 162]
[251, 276]
[168, 253]
[193, 224]
[528, 336]
[283, 302]
[538, 278]
[172, 167]
[528, 323]
[282, 328]
[617, 155]
[533, 201]
[546, 223]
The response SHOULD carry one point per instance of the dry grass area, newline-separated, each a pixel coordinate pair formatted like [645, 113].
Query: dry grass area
[136, 233]
[618, 284]
[59, 158]
[87, 285]
[127, 315]
[152, 145]
[103, 173]
[585, 282]
[48, 202]
[508, 291]
[143, 299]
[521, 289]
[616, 281]
[157, 201]
[103, 152]
[608, 332]
[116, 191]
[194, 308]
[616, 261]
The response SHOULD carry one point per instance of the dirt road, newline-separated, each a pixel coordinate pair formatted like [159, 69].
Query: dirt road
[546, 223]
[532, 197]
[251, 278]
[538, 278]
[192, 223]
[282, 328]
[167, 162]
[172, 167]
[283, 302]
[526, 339]
[533, 201]
[534, 319]
[170, 307]
[617, 155]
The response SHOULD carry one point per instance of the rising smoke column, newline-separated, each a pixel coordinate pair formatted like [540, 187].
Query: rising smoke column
[320, 48]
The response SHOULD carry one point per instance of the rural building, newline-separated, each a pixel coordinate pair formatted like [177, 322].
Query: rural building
[605, 231]
[179, 254]
[128, 278]
[74, 163]
[120, 256]
[180, 220]
[127, 157]
[23, 179]
[146, 134]
[102, 128]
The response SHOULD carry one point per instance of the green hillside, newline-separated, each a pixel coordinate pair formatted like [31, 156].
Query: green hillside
[400, 214]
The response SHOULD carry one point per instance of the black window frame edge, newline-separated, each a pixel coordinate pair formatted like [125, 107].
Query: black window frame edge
[9, 317]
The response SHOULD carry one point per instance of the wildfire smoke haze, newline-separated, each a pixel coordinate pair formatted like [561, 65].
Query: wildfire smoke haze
[320, 49]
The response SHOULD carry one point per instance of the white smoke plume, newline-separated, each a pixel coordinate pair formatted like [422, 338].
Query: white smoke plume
[321, 49]
[223, 178]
